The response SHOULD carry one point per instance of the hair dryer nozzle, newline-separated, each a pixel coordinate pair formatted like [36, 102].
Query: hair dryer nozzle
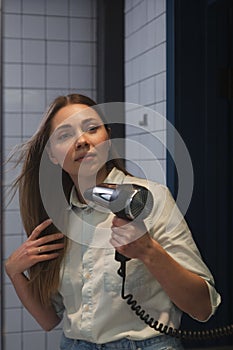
[128, 201]
[102, 194]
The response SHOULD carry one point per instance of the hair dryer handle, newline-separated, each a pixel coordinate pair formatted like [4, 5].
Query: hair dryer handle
[120, 257]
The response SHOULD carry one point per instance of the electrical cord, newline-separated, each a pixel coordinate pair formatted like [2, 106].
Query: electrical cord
[164, 329]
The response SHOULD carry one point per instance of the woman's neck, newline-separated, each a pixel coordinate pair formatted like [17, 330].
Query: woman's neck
[83, 183]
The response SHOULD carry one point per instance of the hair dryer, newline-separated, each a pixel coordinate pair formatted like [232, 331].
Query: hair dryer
[127, 201]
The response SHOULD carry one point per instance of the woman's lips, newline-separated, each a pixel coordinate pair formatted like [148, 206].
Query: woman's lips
[85, 157]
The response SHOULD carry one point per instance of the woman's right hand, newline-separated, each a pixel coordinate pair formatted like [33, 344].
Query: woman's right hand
[34, 250]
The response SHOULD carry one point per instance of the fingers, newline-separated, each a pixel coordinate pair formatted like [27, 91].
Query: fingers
[40, 228]
[35, 250]
[45, 254]
[44, 249]
[119, 222]
[32, 254]
[125, 232]
[35, 241]
[49, 238]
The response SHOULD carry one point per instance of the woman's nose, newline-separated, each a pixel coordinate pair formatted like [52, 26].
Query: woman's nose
[81, 141]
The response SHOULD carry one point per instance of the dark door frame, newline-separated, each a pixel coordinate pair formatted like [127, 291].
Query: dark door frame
[110, 51]
[199, 104]
[110, 66]
[1, 190]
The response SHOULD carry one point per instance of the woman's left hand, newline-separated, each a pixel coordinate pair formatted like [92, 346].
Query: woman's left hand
[130, 238]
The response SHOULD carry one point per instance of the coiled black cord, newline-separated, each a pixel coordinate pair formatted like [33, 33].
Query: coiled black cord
[164, 329]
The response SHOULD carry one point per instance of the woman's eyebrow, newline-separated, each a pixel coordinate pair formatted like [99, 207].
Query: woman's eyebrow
[63, 126]
[86, 121]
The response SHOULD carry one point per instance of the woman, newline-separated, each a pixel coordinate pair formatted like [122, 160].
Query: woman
[75, 276]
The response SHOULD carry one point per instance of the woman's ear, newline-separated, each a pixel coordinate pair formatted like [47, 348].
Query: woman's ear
[51, 156]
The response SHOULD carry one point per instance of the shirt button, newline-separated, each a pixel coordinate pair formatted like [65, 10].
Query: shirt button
[85, 307]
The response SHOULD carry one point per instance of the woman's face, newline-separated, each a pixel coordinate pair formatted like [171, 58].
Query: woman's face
[79, 142]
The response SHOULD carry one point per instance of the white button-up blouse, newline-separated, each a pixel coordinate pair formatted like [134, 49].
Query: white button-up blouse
[89, 298]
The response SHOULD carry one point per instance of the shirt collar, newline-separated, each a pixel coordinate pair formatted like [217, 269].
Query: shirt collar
[115, 176]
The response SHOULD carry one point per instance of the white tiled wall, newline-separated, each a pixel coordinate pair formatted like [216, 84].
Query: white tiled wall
[145, 75]
[49, 48]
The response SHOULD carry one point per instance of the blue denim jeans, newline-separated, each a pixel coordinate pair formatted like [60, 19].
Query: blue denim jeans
[162, 342]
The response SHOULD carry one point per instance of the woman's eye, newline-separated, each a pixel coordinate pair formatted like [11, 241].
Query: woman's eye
[92, 128]
[65, 136]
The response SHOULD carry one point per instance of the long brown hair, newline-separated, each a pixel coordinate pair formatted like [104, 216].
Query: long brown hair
[44, 276]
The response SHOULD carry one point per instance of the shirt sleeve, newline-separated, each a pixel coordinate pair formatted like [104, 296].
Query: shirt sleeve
[215, 299]
[57, 302]
[167, 226]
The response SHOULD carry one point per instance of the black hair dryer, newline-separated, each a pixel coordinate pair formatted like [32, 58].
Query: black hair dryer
[127, 201]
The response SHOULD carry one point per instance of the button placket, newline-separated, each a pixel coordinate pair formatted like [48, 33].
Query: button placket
[87, 303]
